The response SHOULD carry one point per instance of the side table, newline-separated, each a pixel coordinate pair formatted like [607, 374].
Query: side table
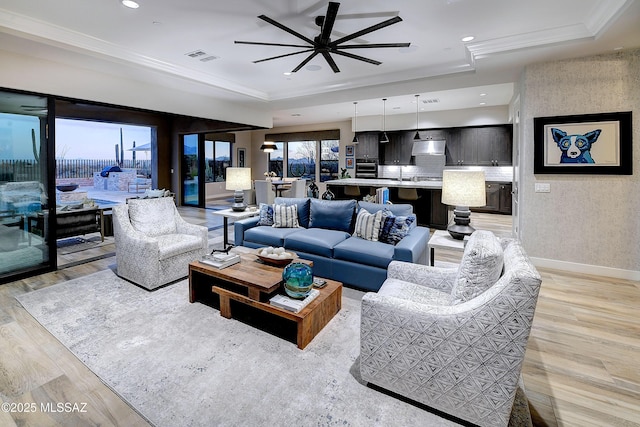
[441, 239]
[235, 215]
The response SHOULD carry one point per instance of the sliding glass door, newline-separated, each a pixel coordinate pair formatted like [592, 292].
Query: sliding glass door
[24, 186]
[191, 165]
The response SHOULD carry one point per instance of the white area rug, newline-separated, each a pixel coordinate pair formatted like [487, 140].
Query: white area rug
[182, 364]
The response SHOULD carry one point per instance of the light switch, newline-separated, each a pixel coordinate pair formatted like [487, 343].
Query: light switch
[543, 187]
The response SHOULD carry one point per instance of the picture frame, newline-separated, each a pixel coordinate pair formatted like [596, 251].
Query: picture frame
[350, 150]
[350, 163]
[583, 144]
[241, 157]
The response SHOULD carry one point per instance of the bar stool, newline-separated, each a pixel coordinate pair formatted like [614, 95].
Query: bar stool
[352, 190]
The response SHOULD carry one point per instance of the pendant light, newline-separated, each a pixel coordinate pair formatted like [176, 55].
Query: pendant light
[384, 138]
[268, 146]
[417, 135]
[355, 123]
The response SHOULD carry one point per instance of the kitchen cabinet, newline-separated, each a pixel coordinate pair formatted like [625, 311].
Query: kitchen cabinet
[498, 198]
[480, 146]
[398, 150]
[367, 147]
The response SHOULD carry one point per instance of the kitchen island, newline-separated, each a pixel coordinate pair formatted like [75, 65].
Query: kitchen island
[424, 195]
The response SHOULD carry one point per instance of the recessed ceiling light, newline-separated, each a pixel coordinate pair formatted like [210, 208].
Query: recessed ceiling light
[483, 94]
[130, 4]
[467, 39]
[483, 103]
[287, 73]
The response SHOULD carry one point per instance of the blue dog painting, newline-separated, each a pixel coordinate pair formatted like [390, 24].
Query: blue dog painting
[575, 148]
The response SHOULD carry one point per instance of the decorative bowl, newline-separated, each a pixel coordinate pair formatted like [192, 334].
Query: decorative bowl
[279, 262]
[67, 187]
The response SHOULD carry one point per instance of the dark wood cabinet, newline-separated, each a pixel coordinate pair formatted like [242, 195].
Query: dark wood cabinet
[480, 146]
[398, 150]
[498, 198]
[367, 147]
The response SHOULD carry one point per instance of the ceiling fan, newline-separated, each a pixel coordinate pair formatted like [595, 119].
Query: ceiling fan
[323, 45]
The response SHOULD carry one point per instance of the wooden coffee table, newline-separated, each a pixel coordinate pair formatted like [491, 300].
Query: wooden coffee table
[252, 283]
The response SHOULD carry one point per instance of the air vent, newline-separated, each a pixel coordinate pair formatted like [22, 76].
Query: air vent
[431, 101]
[208, 58]
[196, 54]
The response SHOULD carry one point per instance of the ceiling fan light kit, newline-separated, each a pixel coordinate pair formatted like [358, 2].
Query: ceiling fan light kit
[322, 43]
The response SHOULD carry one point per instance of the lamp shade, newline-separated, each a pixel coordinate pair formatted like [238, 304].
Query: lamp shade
[238, 179]
[463, 188]
[268, 146]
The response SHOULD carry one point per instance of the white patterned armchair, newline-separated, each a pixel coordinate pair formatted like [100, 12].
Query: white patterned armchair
[453, 338]
[154, 245]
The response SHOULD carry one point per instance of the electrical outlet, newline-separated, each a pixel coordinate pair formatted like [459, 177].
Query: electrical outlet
[543, 187]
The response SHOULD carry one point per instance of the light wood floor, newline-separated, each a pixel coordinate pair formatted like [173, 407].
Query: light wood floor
[581, 367]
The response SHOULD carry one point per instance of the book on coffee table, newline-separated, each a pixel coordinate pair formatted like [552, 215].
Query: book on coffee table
[221, 260]
[291, 304]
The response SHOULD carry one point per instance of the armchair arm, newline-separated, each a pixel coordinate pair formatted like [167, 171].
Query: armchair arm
[184, 227]
[413, 247]
[438, 278]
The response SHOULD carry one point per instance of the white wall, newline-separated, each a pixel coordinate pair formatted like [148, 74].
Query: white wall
[586, 223]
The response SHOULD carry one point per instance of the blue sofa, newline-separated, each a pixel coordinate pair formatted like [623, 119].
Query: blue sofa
[325, 237]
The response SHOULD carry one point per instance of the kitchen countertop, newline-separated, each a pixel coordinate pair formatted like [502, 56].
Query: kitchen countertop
[386, 183]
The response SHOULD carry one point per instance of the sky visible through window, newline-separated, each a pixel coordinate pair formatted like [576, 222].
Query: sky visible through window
[81, 139]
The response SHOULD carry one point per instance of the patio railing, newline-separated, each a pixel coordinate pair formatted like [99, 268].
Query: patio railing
[28, 170]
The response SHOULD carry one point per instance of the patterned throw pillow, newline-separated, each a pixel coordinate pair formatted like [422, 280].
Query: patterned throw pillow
[285, 216]
[480, 267]
[266, 214]
[395, 228]
[368, 225]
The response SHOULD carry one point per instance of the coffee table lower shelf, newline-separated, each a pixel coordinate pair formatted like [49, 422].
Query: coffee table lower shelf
[207, 286]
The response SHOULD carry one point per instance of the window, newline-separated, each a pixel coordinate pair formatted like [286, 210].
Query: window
[308, 155]
[217, 159]
[276, 159]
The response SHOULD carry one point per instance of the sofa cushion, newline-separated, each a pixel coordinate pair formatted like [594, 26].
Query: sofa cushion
[368, 225]
[303, 208]
[153, 217]
[268, 236]
[398, 210]
[414, 292]
[266, 214]
[480, 267]
[285, 216]
[332, 214]
[363, 251]
[315, 241]
[395, 228]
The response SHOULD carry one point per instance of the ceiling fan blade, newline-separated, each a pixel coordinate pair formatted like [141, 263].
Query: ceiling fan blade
[358, 57]
[287, 29]
[330, 61]
[372, 45]
[303, 63]
[367, 30]
[283, 56]
[271, 44]
[329, 20]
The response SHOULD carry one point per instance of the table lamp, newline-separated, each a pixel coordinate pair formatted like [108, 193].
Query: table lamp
[238, 179]
[463, 189]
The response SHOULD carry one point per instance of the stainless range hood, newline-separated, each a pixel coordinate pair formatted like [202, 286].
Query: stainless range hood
[430, 147]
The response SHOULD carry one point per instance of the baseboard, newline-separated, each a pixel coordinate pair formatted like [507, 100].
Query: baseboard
[596, 270]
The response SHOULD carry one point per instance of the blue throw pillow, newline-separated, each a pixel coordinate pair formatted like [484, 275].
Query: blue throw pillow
[332, 214]
[302, 204]
[266, 214]
[395, 228]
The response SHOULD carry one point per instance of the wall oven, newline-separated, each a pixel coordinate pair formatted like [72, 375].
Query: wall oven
[366, 168]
